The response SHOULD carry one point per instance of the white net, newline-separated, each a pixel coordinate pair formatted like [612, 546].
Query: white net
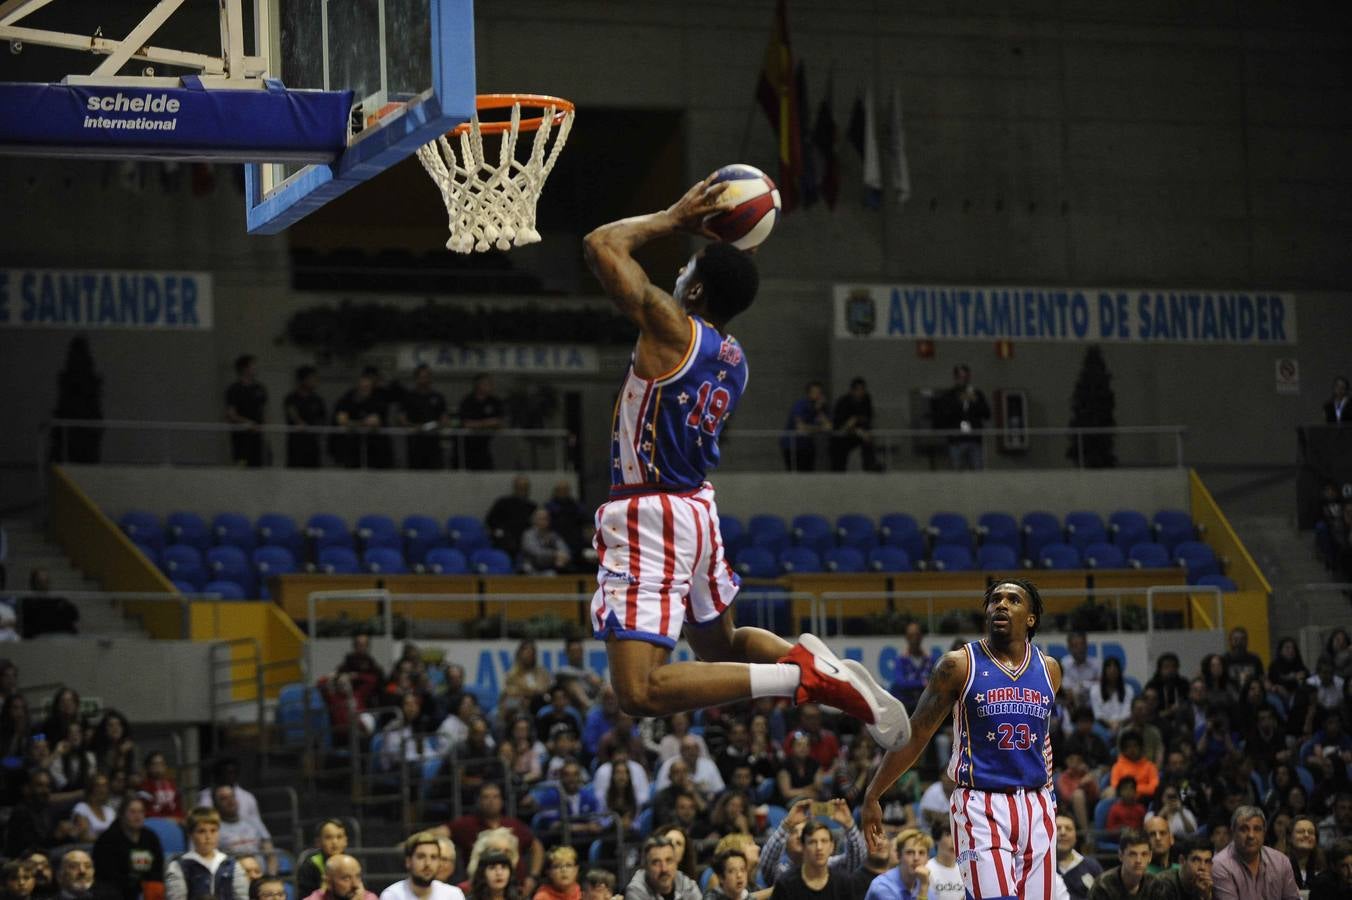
[493, 204]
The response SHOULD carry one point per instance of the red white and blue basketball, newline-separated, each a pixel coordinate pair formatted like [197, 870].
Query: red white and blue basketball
[756, 208]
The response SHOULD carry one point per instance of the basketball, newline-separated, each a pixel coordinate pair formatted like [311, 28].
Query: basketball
[751, 220]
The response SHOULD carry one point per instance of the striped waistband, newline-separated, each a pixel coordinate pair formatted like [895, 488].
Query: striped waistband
[625, 491]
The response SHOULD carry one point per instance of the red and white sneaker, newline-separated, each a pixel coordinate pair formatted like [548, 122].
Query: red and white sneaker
[847, 686]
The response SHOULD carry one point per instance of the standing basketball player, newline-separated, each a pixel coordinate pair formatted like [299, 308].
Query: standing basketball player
[1001, 692]
[661, 569]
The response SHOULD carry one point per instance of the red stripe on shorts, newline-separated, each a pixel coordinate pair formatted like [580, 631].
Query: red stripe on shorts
[1014, 819]
[631, 597]
[668, 561]
[1047, 862]
[1027, 812]
[994, 827]
[713, 556]
[976, 870]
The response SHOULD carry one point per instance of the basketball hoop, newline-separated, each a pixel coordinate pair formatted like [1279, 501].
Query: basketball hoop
[493, 205]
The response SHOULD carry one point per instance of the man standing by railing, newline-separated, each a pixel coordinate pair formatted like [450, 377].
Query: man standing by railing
[245, 401]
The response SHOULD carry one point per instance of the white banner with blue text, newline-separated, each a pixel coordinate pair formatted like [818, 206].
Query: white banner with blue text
[114, 298]
[1110, 315]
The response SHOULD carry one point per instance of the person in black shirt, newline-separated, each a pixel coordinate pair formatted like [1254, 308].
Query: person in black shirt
[47, 613]
[244, 404]
[509, 516]
[481, 410]
[424, 410]
[1240, 663]
[852, 424]
[34, 822]
[813, 880]
[304, 407]
[963, 408]
[364, 413]
[881, 857]
[128, 853]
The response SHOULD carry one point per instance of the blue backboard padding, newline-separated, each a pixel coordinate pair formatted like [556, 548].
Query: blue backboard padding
[451, 103]
[173, 122]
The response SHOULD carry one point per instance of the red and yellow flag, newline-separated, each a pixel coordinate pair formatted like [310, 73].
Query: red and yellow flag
[777, 92]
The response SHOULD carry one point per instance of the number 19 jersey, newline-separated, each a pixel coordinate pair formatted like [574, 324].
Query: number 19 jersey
[1001, 742]
[664, 433]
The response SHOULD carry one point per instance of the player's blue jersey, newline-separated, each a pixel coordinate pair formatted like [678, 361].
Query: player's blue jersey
[1000, 723]
[664, 434]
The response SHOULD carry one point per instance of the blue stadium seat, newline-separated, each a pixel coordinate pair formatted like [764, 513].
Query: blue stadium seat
[757, 562]
[1084, 528]
[280, 530]
[328, 530]
[228, 590]
[170, 833]
[999, 528]
[813, 531]
[338, 560]
[889, 559]
[1197, 559]
[379, 531]
[228, 563]
[151, 554]
[445, 561]
[143, 528]
[768, 532]
[800, 559]
[1128, 527]
[490, 561]
[188, 528]
[184, 587]
[846, 559]
[1104, 555]
[1148, 555]
[421, 533]
[1103, 841]
[1225, 584]
[1039, 529]
[1173, 527]
[902, 530]
[997, 557]
[234, 530]
[270, 561]
[949, 528]
[384, 560]
[734, 535]
[467, 534]
[854, 530]
[183, 562]
[1057, 555]
[952, 558]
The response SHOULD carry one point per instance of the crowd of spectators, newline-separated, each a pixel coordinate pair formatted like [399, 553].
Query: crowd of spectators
[1176, 790]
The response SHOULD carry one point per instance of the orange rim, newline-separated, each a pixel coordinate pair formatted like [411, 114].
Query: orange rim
[506, 101]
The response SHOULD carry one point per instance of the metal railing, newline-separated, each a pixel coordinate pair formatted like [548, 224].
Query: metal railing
[925, 448]
[208, 443]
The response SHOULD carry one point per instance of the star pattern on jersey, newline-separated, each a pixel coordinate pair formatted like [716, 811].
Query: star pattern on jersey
[648, 427]
[683, 397]
[985, 674]
[617, 463]
[980, 698]
[647, 448]
[699, 442]
[722, 374]
[990, 735]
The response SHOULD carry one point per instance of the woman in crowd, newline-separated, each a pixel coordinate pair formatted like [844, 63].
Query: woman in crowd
[112, 745]
[493, 880]
[128, 855]
[94, 814]
[526, 684]
[1111, 701]
[1288, 671]
[1307, 858]
[15, 726]
[163, 798]
[1338, 650]
[71, 763]
[1220, 691]
[1279, 832]
[528, 754]
[18, 879]
[620, 800]
[683, 846]
[491, 841]
[731, 814]
[852, 772]
[65, 708]
[1170, 687]
[561, 871]
[800, 778]
[1279, 785]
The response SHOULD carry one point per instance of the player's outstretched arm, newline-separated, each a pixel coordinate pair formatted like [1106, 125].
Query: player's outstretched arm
[935, 703]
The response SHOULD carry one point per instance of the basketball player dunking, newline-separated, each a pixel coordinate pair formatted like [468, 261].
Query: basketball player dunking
[1001, 691]
[661, 567]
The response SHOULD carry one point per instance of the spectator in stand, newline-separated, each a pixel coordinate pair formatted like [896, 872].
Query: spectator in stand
[330, 840]
[34, 822]
[1337, 826]
[238, 835]
[245, 403]
[1221, 690]
[9, 672]
[783, 851]
[1077, 788]
[807, 418]
[15, 726]
[1127, 811]
[600, 718]
[1241, 664]
[363, 412]
[128, 855]
[1338, 649]
[1326, 686]
[659, 879]
[746, 845]
[824, 746]
[79, 395]
[204, 871]
[47, 613]
[910, 880]
[1182, 821]
[94, 814]
[488, 815]
[814, 879]
[852, 424]
[1168, 685]
[75, 875]
[703, 771]
[561, 882]
[1080, 673]
[1111, 699]
[304, 409]
[112, 745]
[543, 550]
[850, 776]
[483, 412]
[445, 860]
[1140, 721]
[634, 772]
[422, 859]
[72, 764]
[914, 667]
[18, 880]
[158, 789]
[510, 516]
[1265, 744]
[528, 754]
[1246, 870]
[558, 710]
[680, 783]
[732, 870]
[1307, 857]
[1336, 883]
[1337, 411]
[44, 881]
[1079, 872]
[583, 684]
[494, 840]
[801, 777]
[1161, 844]
[1191, 878]
[600, 885]
[963, 408]
[934, 803]
[424, 410]
[1130, 878]
[1288, 671]
[568, 517]
[1130, 763]
[342, 881]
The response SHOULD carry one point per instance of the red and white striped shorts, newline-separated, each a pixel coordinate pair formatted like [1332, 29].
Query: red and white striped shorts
[1005, 842]
[660, 565]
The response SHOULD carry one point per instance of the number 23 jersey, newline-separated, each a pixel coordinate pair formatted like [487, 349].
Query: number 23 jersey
[664, 432]
[1001, 741]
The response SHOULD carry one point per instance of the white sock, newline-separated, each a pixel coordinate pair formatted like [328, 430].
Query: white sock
[774, 679]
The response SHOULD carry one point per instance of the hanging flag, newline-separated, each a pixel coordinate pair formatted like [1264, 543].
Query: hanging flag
[896, 145]
[808, 175]
[873, 172]
[824, 139]
[854, 132]
[776, 92]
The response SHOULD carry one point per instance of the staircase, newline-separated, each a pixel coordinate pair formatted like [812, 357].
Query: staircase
[1286, 556]
[30, 549]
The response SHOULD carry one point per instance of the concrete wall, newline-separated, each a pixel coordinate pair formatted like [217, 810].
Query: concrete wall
[1139, 144]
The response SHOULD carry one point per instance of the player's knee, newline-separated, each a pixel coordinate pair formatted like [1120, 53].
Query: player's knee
[636, 699]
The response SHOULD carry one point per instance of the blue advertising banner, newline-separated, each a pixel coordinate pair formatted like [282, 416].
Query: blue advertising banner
[54, 298]
[1112, 315]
